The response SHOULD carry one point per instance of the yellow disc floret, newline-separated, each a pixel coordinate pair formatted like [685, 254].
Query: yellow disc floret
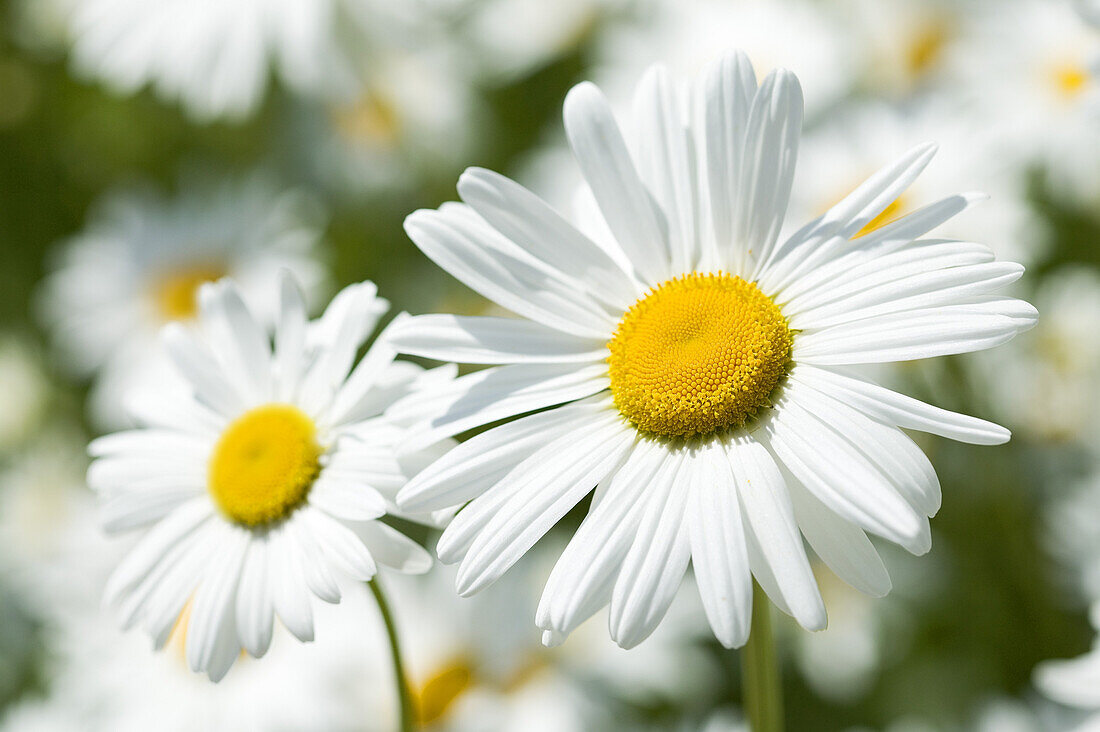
[264, 464]
[176, 293]
[699, 353]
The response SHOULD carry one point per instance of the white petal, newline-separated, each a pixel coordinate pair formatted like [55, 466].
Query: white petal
[550, 482]
[475, 254]
[247, 356]
[1075, 682]
[667, 166]
[289, 591]
[290, 338]
[340, 544]
[345, 499]
[489, 340]
[841, 544]
[767, 168]
[471, 467]
[497, 393]
[926, 290]
[889, 406]
[729, 86]
[769, 521]
[584, 575]
[719, 555]
[136, 509]
[214, 601]
[887, 447]
[905, 336]
[392, 548]
[525, 219]
[658, 557]
[155, 544]
[152, 443]
[195, 362]
[255, 607]
[842, 478]
[604, 160]
[312, 561]
[350, 397]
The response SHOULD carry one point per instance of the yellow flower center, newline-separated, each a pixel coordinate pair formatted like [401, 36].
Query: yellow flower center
[176, 293]
[264, 464]
[441, 691]
[699, 353]
[1070, 79]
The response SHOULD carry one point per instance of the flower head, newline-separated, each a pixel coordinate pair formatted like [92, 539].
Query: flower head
[691, 365]
[260, 484]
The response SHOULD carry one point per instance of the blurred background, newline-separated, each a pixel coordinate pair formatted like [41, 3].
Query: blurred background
[147, 147]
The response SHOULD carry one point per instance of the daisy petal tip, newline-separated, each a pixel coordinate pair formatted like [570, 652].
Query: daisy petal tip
[552, 638]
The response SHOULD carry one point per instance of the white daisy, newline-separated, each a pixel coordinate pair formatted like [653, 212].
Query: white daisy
[276, 463]
[1031, 67]
[1074, 683]
[215, 57]
[692, 366]
[140, 261]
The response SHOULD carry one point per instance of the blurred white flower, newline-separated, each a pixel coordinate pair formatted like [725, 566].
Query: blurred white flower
[838, 154]
[140, 261]
[411, 116]
[637, 345]
[799, 35]
[105, 681]
[904, 49]
[24, 392]
[1074, 683]
[1047, 384]
[276, 464]
[215, 56]
[1032, 74]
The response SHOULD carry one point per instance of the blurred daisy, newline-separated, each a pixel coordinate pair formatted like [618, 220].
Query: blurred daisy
[904, 48]
[840, 153]
[276, 463]
[1049, 386]
[692, 366]
[1034, 72]
[215, 57]
[795, 34]
[141, 260]
[104, 681]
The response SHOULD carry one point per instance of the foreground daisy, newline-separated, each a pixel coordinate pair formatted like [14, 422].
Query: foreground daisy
[262, 486]
[693, 367]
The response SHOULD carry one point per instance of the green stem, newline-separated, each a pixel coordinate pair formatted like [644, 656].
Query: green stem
[762, 696]
[408, 712]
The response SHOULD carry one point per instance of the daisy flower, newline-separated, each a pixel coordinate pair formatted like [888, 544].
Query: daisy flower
[276, 463]
[140, 261]
[215, 57]
[692, 366]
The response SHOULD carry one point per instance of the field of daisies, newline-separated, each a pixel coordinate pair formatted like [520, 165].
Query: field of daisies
[508, 365]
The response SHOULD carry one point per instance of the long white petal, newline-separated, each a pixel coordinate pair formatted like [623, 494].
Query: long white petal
[719, 555]
[524, 218]
[214, 600]
[390, 547]
[769, 520]
[904, 411]
[490, 340]
[551, 482]
[584, 575]
[474, 465]
[626, 204]
[657, 560]
[255, 608]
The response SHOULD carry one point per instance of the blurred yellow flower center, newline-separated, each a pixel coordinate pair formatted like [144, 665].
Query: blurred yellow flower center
[441, 690]
[1070, 79]
[894, 211]
[264, 464]
[372, 119]
[925, 47]
[176, 293]
[699, 353]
